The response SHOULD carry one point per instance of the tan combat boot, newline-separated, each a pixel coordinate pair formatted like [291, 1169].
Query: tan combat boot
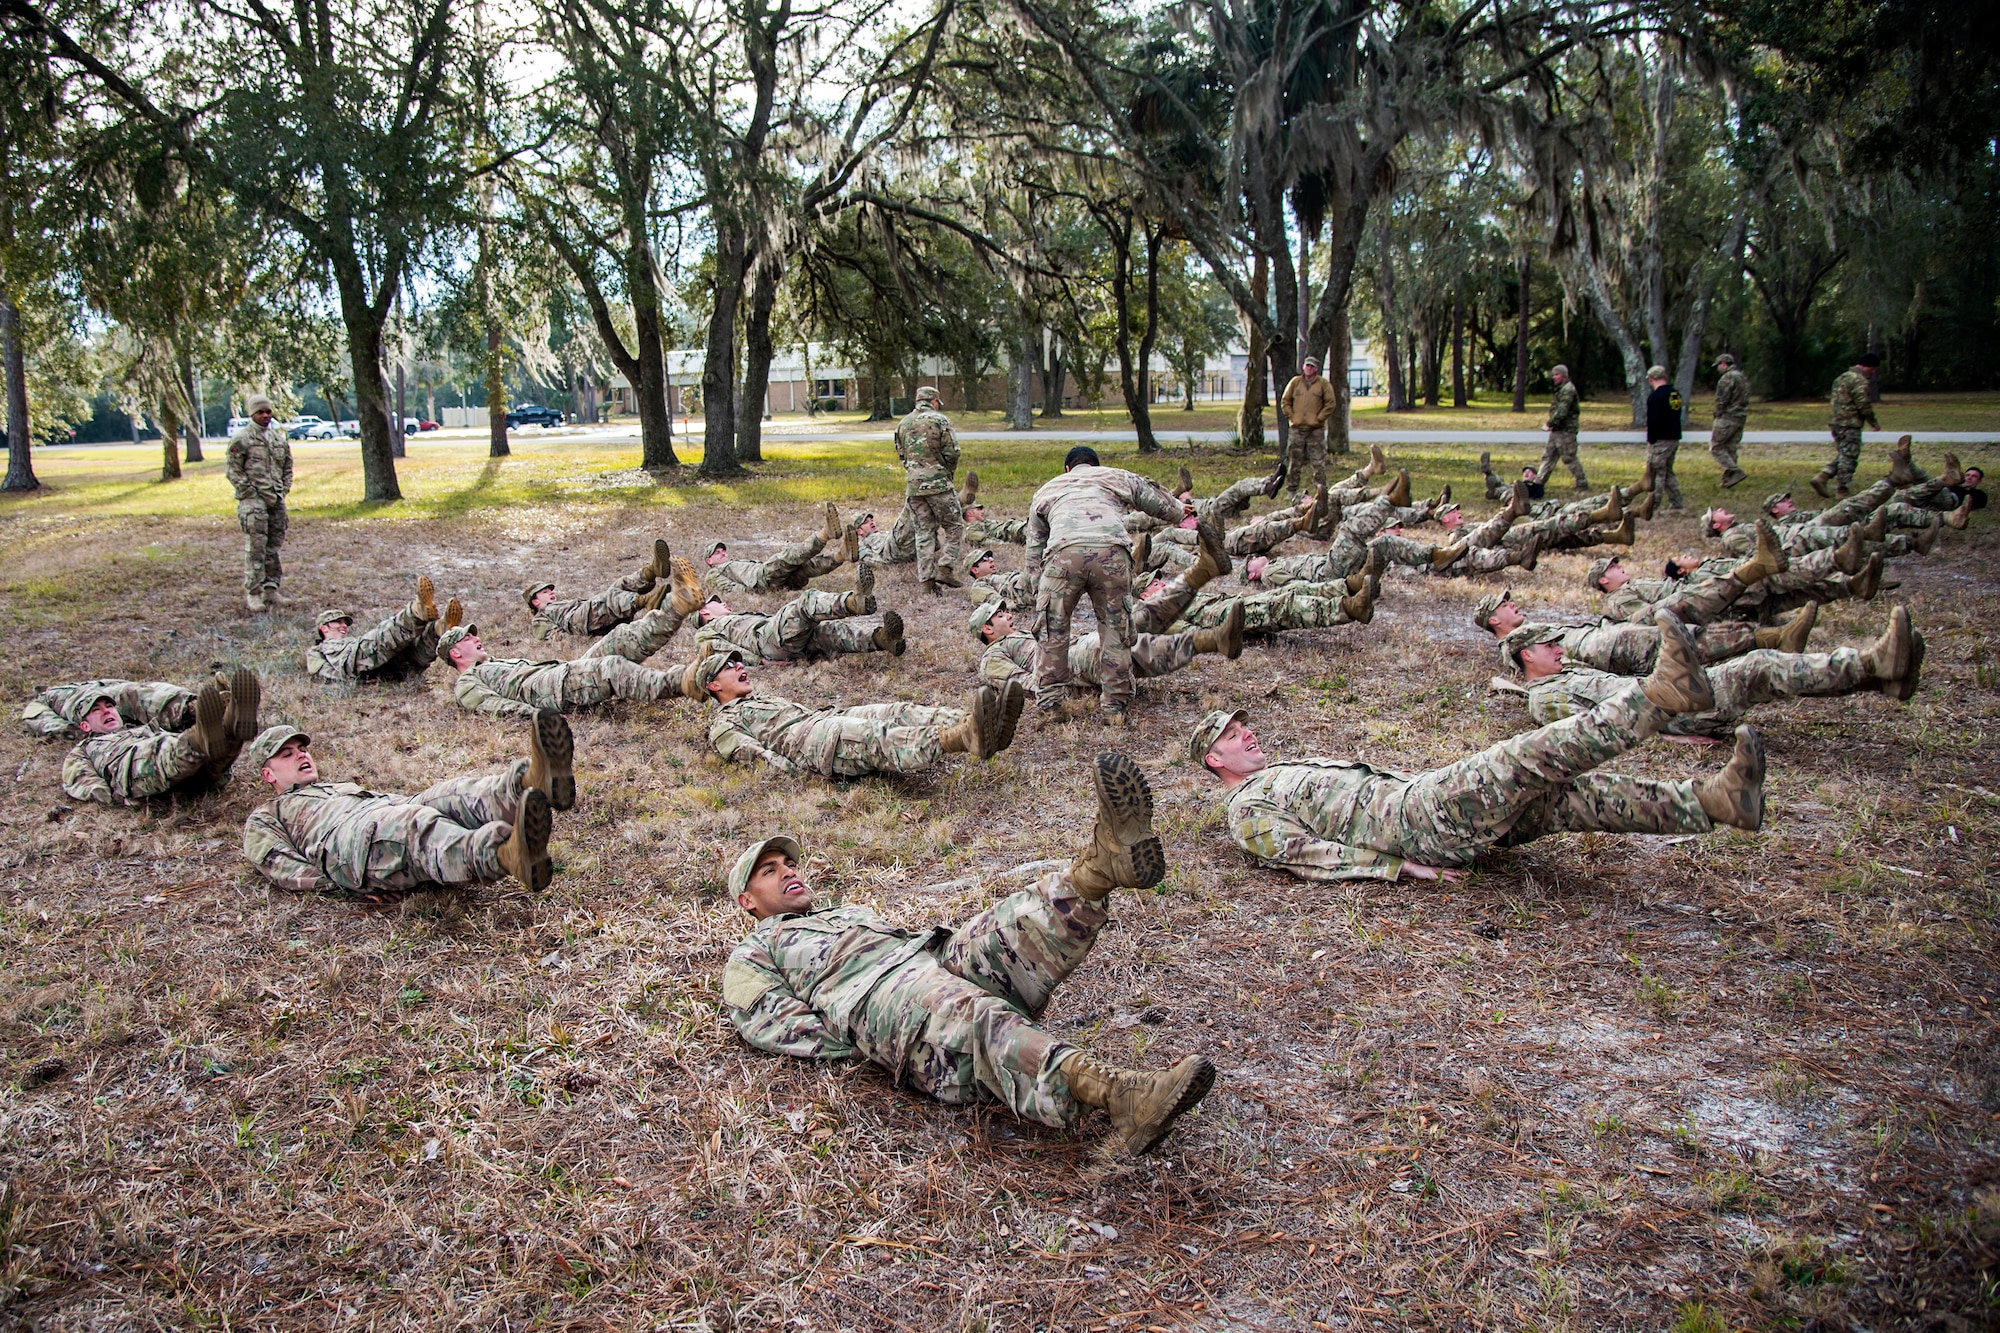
[1901, 471]
[685, 596]
[850, 542]
[1143, 1106]
[1378, 462]
[1770, 558]
[1954, 474]
[1276, 481]
[1959, 517]
[1123, 852]
[525, 855]
[857, 603]
[1862, 587]
[1226, 638]
[1142, 551]
[1612, 510]
[980, 731]
[1876, 526]
[1013, 699]
[424, 607]
[1326, 516]
[1398, 492]
[1645, 486]
[1211, 556]
[1887, 660]
[1907, 686]
[1642, 508]
[1678, 684]
[1531, 552]
[551, 759]
[1441, 499]
[1186, 482]
[211, 731]
[239, 719]
[946, 578]
[254, 601]
[1623, 534]
[1735, 796]
[1791, 636]
[654, 597]
[888, 636]
[969, 493]
[1852, 553]
[1819, 484]
[661, 564]
[454, 613]
[1359, 605]
[1518, 503]
[690, 686]
[1443, 557]
[1927, 539]
[830, 533]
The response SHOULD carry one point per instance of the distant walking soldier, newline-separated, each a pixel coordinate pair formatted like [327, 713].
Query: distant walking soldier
[1335, 819]
[929, 454]
[951, 1013]
[119, 765]
[1663, 436]
[1565, 416]
[1732, 410]
[341, 839]
[260, 468]
[398, 648]
[1309, 403]
[1850, 411]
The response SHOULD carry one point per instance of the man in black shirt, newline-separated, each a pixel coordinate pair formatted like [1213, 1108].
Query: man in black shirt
[1663, 436]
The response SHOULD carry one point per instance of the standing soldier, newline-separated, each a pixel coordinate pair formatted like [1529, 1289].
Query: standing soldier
[1077, 545]
[1850, 411]
[1663, 436]
[260, 468]
[929, 453]
[1732, 410]
[1565, 415]
[1308, 403]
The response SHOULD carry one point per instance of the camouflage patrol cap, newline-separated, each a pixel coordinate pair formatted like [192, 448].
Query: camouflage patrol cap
[1526, 636]
[708, 668]
[1209, 730]
[927, 394]
[1725, 359]
[1560, 370]
[450, 639]
[1656, 372]
[528, 593]
[1771, 501]
[982, 614]
[739, 874]
[331, 616]
[1483, 609]
[271, 740]
[712, 548]
[1598, 569]
[974, 557]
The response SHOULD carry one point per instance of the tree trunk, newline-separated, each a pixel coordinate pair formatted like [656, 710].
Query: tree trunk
[1250, 417]
[401, 434]
[757, 355]
[363, 324]
[1131, 377]
[1144, 420]
[1333, 364]
[1521, 338]
[1054, 371]
[1458, 345]
[1386, 286]
[20, 466]
[195, 427]
[1021, 384]
[881, 392]
[718, 375]
[1427, 338]
[170, 442]
[496, 396]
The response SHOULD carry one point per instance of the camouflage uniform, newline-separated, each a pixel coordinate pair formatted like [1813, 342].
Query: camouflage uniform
[897, 546]
[592, 615]
[929, 454]
[1342, 819]
[1295, 606]
[1077, 544]
[260, 470]
[1732, 411]
[1565, 415]
[1629, 650]
[1013, 657]
[1014, 588]
[516, 687]
[126, 766]
[399, 648]
[1850, 410]
[1710, 590]
[1008, 531]
[1225, 504]
[1741, 683]
[832, 742]
[1308, 407]
[787, 571]
[948, 1013]
[152, 703]
[812, 625]
[338, 838]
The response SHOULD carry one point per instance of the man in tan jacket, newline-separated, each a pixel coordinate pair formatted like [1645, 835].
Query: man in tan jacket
[1309, 403]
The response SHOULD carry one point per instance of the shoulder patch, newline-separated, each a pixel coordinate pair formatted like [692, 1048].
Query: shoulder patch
[743, 985]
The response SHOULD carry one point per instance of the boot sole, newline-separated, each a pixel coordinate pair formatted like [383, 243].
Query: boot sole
[427, 596]
[210, 721]
[533, 823]
[892, 630]
[986, 721]
[663, 559]
[1124, 794]
[1012, 700]
[1199, 1081]
[246, 696]
[1697, 696]
[1907, 686]
[1211, 540]
[1754, 811]
[555, 746]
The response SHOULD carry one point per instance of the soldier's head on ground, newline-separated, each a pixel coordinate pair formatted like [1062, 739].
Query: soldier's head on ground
[1608, 574]
[864, 525]
[282, 758]
[333, 624]
[1223, 744]
[101, 717]
[716, 553]
[460, 648]
[260, 409]
[538, 595]
[1779, 504]
[1725, 361]
[1974, 475]
[711, 609]
[1451, 518]
[975, 513]
[1497, 613]
[990, 622]
[722, 676]
[1869, 360]
[1716, 521]
[1524, 638]
[1560, 374]
[1680, 566]
[1254, 567]
[981, 563]
[766, 879]
[1081, 456]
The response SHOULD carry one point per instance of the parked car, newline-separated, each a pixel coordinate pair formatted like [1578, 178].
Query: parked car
[351, 429]
[427, 425]
[319, 430]
[235, 424]
[530, 414]
[298, 427]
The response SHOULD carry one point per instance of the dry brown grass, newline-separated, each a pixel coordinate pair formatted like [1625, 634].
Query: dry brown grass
[1720, 1082]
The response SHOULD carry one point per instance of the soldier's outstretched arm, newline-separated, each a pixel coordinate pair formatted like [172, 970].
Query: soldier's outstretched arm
[81, 782]
[735, 744]
[1038, 541]
[768, 1016]
[474, 697]
[270, 849]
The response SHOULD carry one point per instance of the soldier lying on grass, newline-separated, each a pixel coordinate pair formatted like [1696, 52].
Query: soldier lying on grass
[160, 704]
[951, 1013]
[813, 625]
[612, 668]
[116, 764]
[646, 590]
[1343, 819]
[787, 571]
[1622, 649]
[338, 838]
[1011, 654]
[399, 647]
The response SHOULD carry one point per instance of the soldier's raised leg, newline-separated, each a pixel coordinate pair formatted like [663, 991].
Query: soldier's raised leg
[1857, 507]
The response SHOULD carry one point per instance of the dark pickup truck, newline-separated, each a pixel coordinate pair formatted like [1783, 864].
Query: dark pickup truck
[527, 414]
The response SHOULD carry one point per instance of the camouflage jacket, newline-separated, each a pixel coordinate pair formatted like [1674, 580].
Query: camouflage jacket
[783, 734]
[1086, 506]
[498, 684]
[928, 450]
[1732, 396]
[1282, 816]
[1565, 411]
[1007, 531]
[97, 768]
[153, 703]
[1635, 601]
[1011, 657]
[317, 838]
[1850, 403]
[796, 983]
[1014, 588]
[260, 465]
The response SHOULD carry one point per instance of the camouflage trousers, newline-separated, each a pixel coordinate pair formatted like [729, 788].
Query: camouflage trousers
[586, 681]
[940, 533]
[1562, 445]
[897, 546]
[813, 624]
[149, 703]
[1152, 655]
[1496, 489]
[154, 766]
[1766, 675]
[887, 738]
[1856, 508]
[789, 569]
[1701, 603]
[1629, 650]
[958, 1023]
[1569, 529]
[1231, 500]
[1295, 606]
[1305, 449]
[264, 527]
[395, 648]
[593, 615]
[1725, 437]
[447, 835]
[1005, 531]
[1352, 491]
[1660, 455]
[1846, 455]
[1104, 574]
[1252, 538]
[638, 638]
